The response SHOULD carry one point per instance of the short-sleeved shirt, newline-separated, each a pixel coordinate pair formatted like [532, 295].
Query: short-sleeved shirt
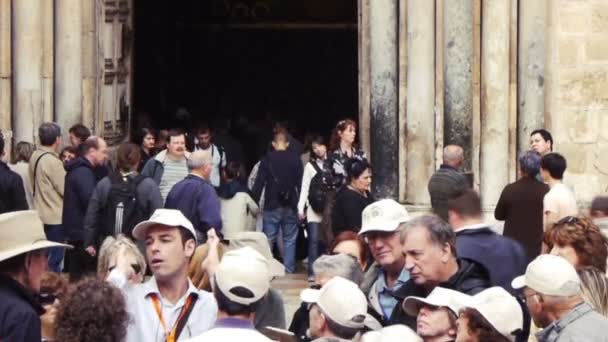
[561, 201]
[174, 171]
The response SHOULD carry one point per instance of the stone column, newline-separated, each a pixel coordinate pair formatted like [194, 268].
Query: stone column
[27, 57]
[420, 99]
[88, 63]
[68, 63]
[5, 69]
[494, 159]
[532, 29]
[458, 75]
[384, 52]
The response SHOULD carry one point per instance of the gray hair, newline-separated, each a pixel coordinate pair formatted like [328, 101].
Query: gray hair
[452, 154]
[339, 265]
[199, 159]
[440, 232]
[529, 163]
[112, 246]
[48, 133]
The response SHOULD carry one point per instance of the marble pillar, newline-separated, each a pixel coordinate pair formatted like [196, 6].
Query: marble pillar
[458, 75]
[532, 28]
[384, 68]
[68, 63]
[88, 63]
[420, 99]
[494, 159]
[5, 68]
[48, 58]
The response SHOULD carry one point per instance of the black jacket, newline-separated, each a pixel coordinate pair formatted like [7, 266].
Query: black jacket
[228, 189]
[12, 193]
[279, 171]
[19, 313]
[80, 182]
[346, 214]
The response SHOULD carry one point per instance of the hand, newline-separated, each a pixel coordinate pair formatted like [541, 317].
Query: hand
[91, 250]
[213, 259]
[302, 216]
[212, 238]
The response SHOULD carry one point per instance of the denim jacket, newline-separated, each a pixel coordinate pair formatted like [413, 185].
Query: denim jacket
[581, 324]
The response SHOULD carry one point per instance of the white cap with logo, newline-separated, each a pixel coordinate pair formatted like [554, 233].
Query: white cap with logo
[439, 297]
[500, 309]
[384, 215]
[341, 300]
[164, 217]
[550, 275]
[243, 268]
[393, 333]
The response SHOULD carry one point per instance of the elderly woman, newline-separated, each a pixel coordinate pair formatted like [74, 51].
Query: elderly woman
[521, 206]
[53, 287]
[111, 249]
[579, 241]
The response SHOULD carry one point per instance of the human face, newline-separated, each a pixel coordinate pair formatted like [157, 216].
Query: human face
[36, 265]
[101, 153]
[67, 157]
[320, 150]
[540, 145]
[363, 182]
[167, 256]
[434, 322]
[348, 135]
[148, 142]
[316, 320]
[204, 140]
[464, 333]
[385, 248]
[177, 146]
[352, 248]
[566, 252]
[535, 306]
[424, 259]
[74, 141]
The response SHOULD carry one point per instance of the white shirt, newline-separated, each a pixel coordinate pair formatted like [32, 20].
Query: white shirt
[145, 324]
[309, 173]
[219, 160]
[561, 201]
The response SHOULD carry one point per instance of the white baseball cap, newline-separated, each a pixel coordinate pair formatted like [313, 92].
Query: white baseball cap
[245, 268]
[341, 300]
[165, 217]
[550, 275]
[384, 215]
[439, 297]
[500, 309]
[393, 333]
[259, 242]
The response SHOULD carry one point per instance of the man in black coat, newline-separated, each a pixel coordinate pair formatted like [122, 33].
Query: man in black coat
[23, 260]
[12, 193]
[80, 182]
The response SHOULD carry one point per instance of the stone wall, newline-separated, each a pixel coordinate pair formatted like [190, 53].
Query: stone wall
[577, 92]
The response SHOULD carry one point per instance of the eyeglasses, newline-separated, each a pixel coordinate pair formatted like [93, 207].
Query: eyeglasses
[373, 236]
[47, 298]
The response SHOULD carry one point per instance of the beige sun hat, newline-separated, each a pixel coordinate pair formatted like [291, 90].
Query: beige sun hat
[22, 232]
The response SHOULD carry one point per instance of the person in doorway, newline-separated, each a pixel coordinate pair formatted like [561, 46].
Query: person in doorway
[21, 166]
[196, 198]
[204, 142]
[447, 181]
[170, 165]
[342, 147]
[146, 142]
[168, 305]
[80, 182]
[23, 260]
[47, 173]
[238, 209]
[559, 202]
[352, 198]
[541, 141]
[521, 205]
[280, 174]
[381, 227]
[12, 190]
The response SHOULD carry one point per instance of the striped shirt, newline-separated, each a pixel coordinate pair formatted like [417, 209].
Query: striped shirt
[174, 171]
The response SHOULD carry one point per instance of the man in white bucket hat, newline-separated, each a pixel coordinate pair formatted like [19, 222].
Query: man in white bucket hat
[23, 260]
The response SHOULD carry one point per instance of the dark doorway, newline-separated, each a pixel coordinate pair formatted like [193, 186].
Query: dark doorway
[247, 62]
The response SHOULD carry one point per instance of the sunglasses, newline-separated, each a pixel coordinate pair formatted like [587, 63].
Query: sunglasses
[568, 220]
[47, 298]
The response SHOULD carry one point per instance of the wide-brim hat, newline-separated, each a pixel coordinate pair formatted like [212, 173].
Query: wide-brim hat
[259, 242]
[22, 232]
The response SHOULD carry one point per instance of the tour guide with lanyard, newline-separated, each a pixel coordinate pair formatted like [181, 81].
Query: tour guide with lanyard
[180, 323]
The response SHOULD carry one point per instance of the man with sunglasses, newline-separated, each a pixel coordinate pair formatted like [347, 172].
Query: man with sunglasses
[381, 225]
[551, 289]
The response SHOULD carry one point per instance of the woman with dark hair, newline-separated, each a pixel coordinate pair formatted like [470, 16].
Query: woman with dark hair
[342, 147]
[353, 197]
[146, 141]
[313, 216]
[350, 243]
[93, 310]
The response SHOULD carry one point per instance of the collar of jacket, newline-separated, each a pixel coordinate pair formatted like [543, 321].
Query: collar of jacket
[447, 167]
[49, 150]
[21, 292]
[558, 326]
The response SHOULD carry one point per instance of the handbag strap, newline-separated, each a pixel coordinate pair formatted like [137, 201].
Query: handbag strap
[35, 170]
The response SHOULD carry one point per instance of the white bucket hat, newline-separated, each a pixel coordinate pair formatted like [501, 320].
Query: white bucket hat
[164, 217]
[245, 268]
[439, 297]
[22, 232]
[550, 275]
[384, 215]
[500, 309]
[259, 242]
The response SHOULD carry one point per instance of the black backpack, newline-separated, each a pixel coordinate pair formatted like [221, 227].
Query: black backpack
[123, 211]
[317, 192]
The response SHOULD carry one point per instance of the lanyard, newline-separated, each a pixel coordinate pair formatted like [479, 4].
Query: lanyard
[170, 334]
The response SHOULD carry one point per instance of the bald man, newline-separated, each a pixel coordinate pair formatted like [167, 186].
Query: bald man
[448, 180]
[196, 198]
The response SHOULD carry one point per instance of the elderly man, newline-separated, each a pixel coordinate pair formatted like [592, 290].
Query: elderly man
[23, 260]
[195, 196]
[447, 180]
[552, 290]
[429, 247]
[382, 222]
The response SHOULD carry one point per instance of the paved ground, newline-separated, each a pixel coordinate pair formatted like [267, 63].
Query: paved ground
[290, 287]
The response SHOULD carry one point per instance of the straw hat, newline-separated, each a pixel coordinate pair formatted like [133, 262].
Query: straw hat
[22, 232]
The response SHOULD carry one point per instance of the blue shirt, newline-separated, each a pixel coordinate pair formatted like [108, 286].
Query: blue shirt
[385, 293]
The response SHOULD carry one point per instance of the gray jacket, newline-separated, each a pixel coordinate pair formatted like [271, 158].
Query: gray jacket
[581, 324]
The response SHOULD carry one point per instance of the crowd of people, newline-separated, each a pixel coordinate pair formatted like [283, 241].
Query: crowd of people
[170, 238]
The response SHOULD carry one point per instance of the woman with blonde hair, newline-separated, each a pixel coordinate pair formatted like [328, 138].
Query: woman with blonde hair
[111, 249]
[595, 288]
